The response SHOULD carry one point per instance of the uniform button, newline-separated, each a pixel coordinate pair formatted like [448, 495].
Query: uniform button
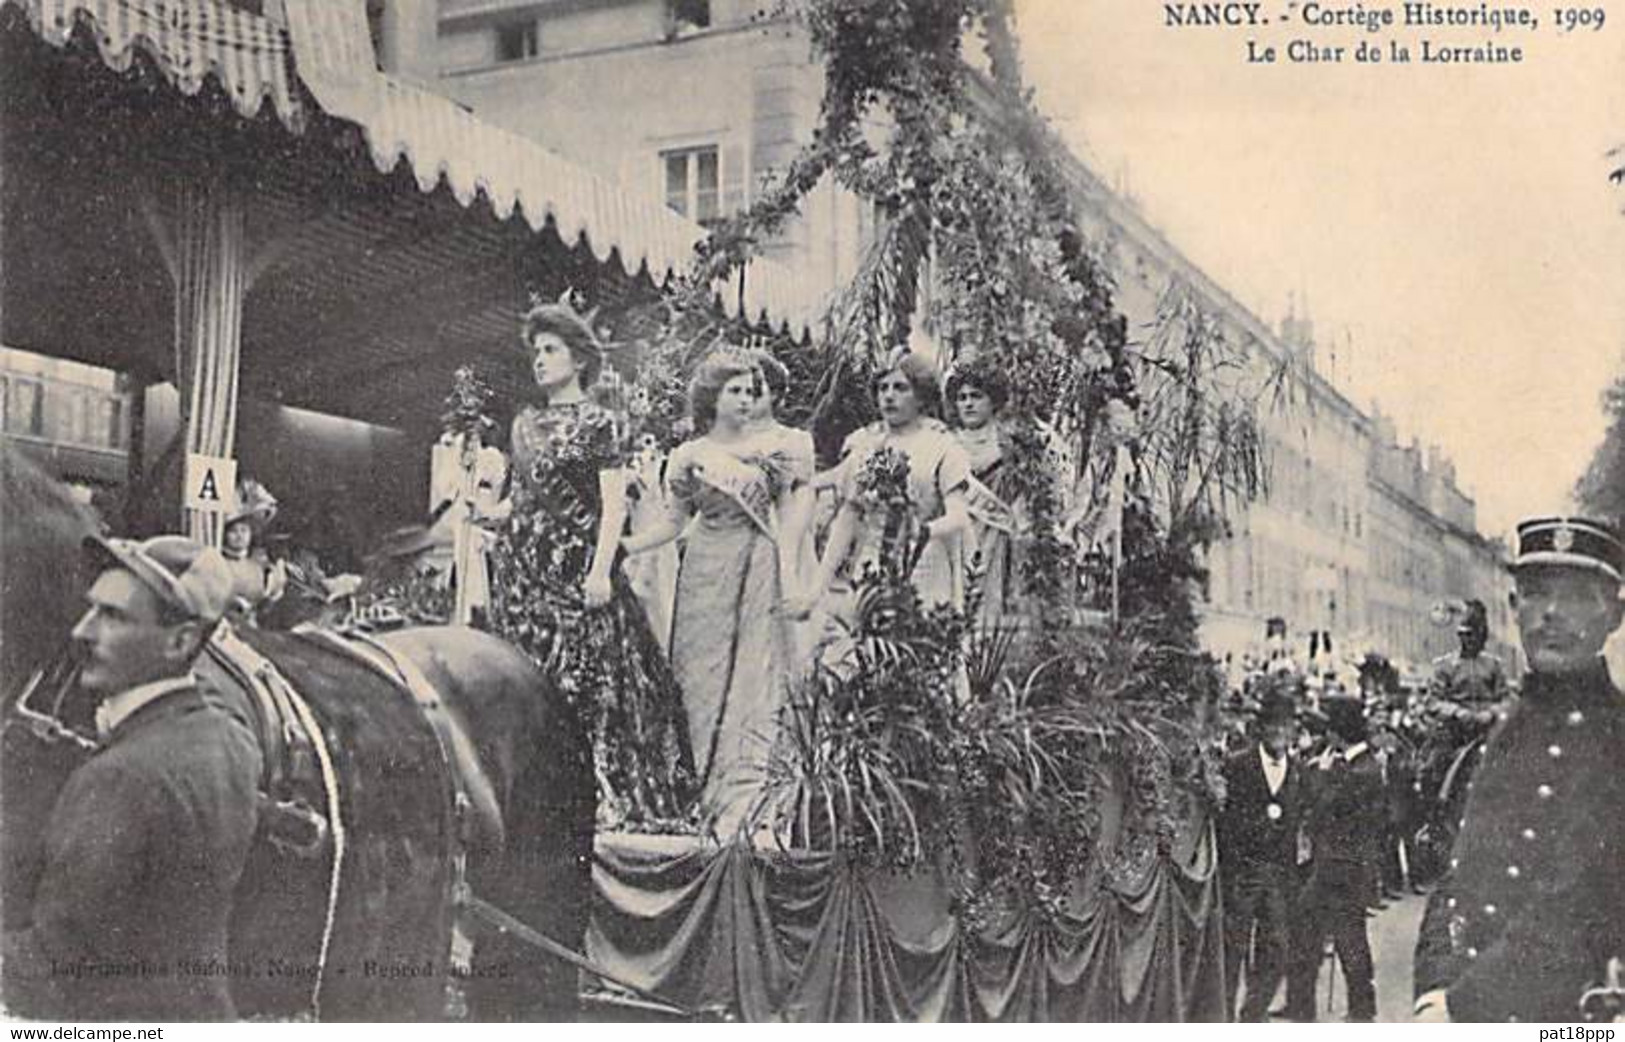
[1489, 909]
[1455, 862]
[1554, 751]
[1544, 791]
[1576, 718]
[1513, 872]
[1451, 903]
[1529, 834]
[1472, 953]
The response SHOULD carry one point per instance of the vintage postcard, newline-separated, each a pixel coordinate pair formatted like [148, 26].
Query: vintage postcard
[811, 510]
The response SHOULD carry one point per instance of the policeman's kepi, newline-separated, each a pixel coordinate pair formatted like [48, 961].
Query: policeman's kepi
[1567, 599]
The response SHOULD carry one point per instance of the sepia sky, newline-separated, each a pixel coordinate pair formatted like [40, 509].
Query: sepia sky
[1452, 228]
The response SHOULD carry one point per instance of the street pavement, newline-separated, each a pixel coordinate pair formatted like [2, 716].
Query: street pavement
[1393, 942]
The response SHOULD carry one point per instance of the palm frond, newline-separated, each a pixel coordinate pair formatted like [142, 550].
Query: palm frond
[873, 312]
[987, 650]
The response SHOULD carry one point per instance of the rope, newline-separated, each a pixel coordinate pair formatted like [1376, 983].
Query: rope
[335, 819]
[495, 917]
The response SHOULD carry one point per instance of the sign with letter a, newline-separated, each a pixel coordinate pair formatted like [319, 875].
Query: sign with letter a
[211, 482]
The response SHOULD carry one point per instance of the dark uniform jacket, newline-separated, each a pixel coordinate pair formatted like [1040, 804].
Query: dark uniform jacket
[1248, 834]
[1535, 898]
[142, 853]
[1345, 820]
[1476, 681]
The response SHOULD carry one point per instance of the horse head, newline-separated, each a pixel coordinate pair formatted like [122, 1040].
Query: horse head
[42, 576]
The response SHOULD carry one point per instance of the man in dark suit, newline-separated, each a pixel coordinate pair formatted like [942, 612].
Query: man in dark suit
[1398, 775]
[1258, 837]
[1344, 820]
[1532, 908]
[147, 840]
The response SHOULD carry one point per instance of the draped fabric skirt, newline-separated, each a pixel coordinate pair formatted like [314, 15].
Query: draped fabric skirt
[729, 650]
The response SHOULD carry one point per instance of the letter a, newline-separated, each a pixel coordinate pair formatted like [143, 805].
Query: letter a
[210, 488]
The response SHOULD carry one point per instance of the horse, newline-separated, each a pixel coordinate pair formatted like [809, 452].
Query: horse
[363, 922]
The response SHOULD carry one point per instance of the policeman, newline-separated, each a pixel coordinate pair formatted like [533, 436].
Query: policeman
[1530, 909]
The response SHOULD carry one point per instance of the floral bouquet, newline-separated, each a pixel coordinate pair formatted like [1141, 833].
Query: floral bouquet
[881, 489]
[656, 406]
[467, 409]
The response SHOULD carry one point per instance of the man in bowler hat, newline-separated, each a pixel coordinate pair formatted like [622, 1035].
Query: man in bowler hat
[147, 840]
[1531, 908]
[1258, 846]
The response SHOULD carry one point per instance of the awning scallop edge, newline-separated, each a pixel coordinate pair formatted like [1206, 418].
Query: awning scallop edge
[331, 55]
[188, 40]
[442, 141]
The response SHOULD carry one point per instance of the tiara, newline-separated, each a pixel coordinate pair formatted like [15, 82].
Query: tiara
[572, 300]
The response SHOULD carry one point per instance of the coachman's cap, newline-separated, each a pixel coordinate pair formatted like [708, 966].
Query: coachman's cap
[186, 575]
[1575, 542]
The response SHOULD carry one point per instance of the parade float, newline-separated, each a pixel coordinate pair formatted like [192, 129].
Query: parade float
[971, 815]
[967, 815]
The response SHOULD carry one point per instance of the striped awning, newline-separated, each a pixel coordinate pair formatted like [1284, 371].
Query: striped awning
[189, 41]
[326, 47]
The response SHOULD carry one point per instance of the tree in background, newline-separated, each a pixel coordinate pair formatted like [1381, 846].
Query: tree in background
[1601, 490]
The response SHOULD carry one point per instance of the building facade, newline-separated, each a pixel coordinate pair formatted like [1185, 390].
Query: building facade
[1358, 536]
[73, 419]
[697, 102]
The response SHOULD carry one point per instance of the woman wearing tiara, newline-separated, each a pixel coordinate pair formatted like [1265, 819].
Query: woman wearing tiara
[560, 593]
[977, 392]
[908, 463]
[731, 646]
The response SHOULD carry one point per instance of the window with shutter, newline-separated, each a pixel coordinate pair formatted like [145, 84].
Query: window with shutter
[687, 15]
[517, 41]
[113, 422]
[27, 412]
[733, 180]
[693, 182]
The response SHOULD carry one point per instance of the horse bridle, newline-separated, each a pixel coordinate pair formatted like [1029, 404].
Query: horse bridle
[54, 681]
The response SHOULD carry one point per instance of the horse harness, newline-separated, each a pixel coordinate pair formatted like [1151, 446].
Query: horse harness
[477, 811]
[295, 757]
[298, 765]
[291, 773]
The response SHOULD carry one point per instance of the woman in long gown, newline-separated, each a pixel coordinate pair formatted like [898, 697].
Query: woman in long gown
[938, 473]
[559, 592]
[793, 514]
[976, 393]
[730, 642]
